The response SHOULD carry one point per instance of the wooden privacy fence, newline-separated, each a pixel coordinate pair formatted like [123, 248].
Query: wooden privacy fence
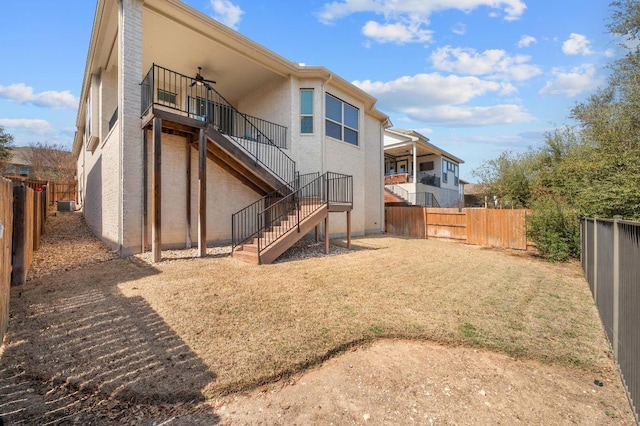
[55, 190]
[6, 225]
[29, 215]
[62, 191]
[484, 227]
[23, 212]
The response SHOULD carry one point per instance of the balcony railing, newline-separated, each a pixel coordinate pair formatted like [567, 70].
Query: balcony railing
[183, 95]
[424, 199]
[399, 178]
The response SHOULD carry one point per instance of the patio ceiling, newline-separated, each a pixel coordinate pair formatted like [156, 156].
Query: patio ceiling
[406, 149]
[179, 38]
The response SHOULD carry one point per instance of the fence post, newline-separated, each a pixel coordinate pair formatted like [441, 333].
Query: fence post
[19, 261]
[595, 259]
[616, 285]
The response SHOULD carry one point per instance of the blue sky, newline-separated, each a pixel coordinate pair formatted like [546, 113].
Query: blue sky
[477, 77]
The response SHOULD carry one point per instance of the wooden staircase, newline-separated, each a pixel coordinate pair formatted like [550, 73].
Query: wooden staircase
[276, 239]
[222, 150]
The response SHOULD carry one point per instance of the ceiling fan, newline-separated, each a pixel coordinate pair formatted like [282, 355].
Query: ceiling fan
[200, 80]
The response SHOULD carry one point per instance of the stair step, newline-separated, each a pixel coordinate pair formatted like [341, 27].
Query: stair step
[246, 256]
[250, 248]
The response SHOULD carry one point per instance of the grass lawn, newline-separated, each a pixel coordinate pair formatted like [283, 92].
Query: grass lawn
[250, 323]
[220, 325]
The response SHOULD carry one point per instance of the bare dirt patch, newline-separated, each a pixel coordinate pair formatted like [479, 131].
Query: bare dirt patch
[124, 341]
[399, 382]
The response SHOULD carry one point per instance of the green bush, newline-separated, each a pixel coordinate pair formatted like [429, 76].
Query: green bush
[555, 229]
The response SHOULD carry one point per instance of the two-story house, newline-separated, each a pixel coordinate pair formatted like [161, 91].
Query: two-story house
[188, 131]
[419, 172]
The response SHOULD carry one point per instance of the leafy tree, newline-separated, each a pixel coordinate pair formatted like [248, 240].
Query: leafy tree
[587, 170]
[6, 143]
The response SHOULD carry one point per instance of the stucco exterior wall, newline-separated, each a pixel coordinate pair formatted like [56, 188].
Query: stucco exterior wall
[374, 176]
[342, 157]
[307, 149]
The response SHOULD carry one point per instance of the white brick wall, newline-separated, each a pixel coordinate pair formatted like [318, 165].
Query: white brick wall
[225, 195]
[130, 65]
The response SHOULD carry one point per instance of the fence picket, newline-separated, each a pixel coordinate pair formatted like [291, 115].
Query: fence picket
[485, 227]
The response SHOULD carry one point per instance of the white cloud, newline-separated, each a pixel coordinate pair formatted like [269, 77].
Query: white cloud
[494, 63]
[526, 41]
[37, 126]
[577, 44]
[407, 17]
[459, 29]
[335, 10]
[396, 33]
[610, 53]
[438, 99]
[572, 83]
[429, 89]
[227, 13]
[22, 93]
[471, 116]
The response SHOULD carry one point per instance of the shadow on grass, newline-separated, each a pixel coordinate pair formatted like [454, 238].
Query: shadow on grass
[77, 347]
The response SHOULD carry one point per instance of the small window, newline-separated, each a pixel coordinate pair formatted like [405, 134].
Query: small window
[342, 120]
[426, 166]
[24, 170]
[167, 97]
[306, 111]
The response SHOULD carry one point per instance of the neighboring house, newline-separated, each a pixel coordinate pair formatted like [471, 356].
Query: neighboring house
[19, 163]
[475, 195]
[166, 156]
[41, 162]
[421, 173]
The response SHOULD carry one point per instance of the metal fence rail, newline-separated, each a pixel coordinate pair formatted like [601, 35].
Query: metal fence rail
[610, 259]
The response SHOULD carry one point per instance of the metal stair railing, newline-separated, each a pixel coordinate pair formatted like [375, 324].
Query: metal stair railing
[184, 95]
[244, 225]
[424, 199]
[276, 220]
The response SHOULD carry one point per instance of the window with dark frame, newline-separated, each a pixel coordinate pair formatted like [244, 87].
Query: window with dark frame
[426, 166]
[341, 120]
[306, 111]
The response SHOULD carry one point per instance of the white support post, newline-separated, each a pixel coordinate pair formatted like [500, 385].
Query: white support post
[415, 168]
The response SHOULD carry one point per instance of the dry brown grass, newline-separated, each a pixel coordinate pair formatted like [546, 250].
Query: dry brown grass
[217, 325]
[250, 324]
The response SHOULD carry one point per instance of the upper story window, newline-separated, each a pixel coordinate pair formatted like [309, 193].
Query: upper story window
[450, 166]
[306, 110]
[341, 120]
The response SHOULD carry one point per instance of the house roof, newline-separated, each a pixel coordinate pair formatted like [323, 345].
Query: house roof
[399, 142]
[475, 189]
[21, 156]
[172, 27]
